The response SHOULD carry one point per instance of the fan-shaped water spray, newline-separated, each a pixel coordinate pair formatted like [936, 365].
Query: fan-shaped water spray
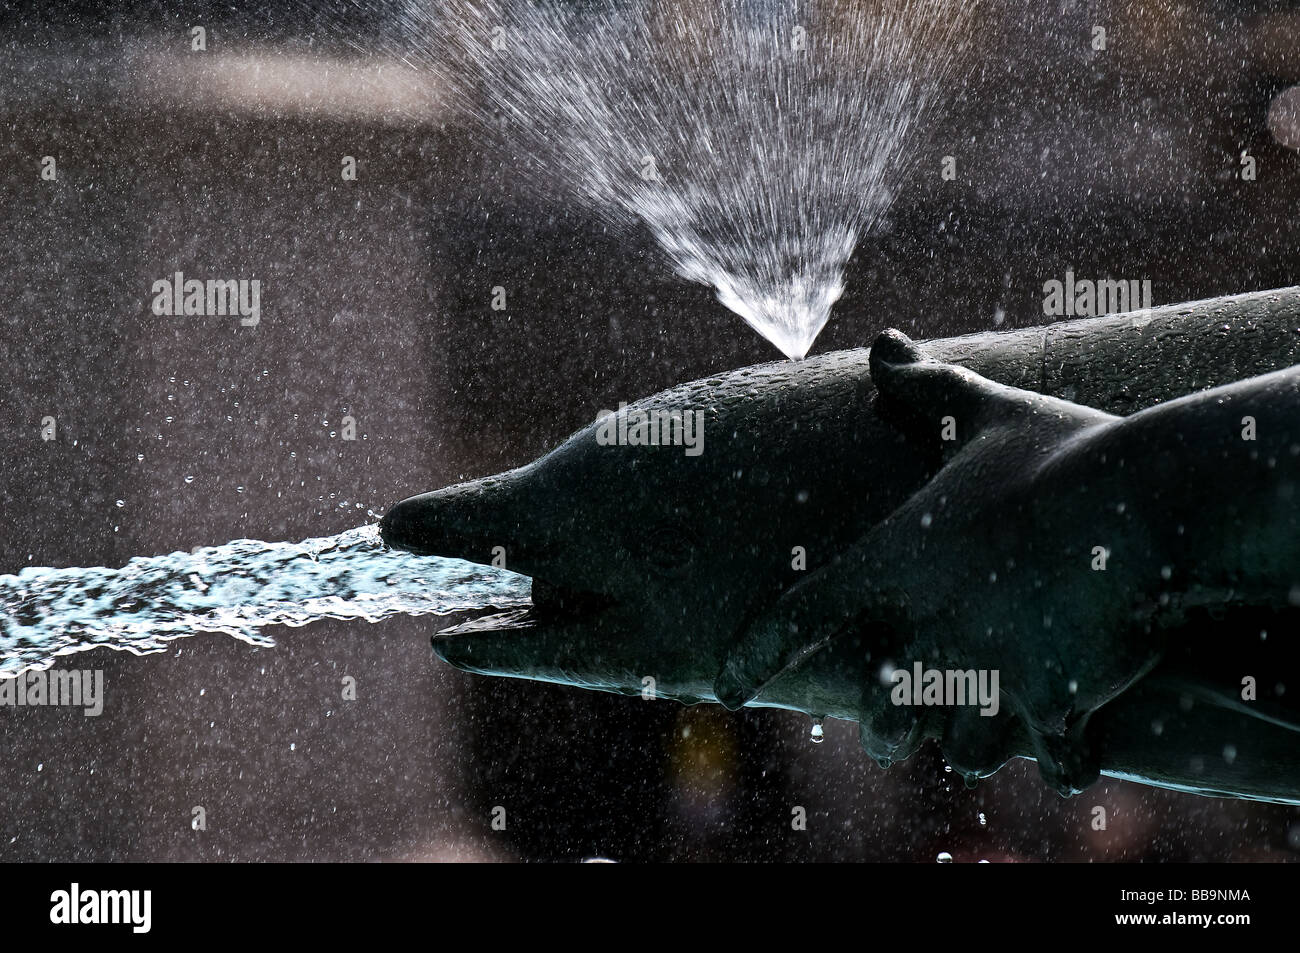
[757, 140]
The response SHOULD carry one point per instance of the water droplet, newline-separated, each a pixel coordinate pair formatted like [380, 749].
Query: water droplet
[121, 503]
[972, 779]
[944, 857]
[1074, 687]
[984, 821]
[1229, 753]
[926, 520]
[140, 457]
[189, 479]
[817, 734]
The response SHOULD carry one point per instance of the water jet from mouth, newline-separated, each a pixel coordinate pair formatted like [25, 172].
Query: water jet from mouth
[238, 589]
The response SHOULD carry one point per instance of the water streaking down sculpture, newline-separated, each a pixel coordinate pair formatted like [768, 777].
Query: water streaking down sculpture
[1112, 529]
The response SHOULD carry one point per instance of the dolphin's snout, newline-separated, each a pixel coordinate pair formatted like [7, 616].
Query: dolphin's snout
[431, 525]
[399, 528]
[497, 521]
[467, 521]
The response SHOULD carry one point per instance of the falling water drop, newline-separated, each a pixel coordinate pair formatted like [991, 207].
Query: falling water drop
[817, 734]
[944, 857]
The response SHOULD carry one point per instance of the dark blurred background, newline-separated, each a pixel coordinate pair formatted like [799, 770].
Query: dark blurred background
[376, 303]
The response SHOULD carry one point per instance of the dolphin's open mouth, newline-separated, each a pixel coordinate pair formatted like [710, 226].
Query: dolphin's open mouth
[521, 618]
[478, 521]
[552, 605]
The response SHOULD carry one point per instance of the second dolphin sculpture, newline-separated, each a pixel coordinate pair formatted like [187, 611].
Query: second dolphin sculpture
[1121, 575]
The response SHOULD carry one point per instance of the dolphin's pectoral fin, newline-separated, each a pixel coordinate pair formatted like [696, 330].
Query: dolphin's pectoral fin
[978, 745]
[888, 732]
[975, 741]
[803, 621]
[1066, 760]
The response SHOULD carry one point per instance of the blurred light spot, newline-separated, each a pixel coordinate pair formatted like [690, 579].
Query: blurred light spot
[1284, 117]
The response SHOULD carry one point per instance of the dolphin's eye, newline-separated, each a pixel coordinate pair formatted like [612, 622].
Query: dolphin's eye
[668, 546]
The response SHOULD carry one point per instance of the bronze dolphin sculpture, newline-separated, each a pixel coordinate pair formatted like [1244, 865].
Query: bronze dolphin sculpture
[1118, 572]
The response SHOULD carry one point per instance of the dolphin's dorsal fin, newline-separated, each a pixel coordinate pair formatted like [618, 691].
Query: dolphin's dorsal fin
[945, 406]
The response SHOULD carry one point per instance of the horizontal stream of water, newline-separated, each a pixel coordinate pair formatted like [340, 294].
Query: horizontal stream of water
[238, 588]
